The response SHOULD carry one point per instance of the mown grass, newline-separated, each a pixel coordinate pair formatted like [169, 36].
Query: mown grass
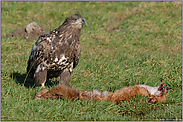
[125, 43]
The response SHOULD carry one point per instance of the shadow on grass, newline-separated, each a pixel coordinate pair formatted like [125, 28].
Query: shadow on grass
[19, 79]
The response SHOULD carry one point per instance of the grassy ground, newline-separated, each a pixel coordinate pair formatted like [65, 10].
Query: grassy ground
[125, 43]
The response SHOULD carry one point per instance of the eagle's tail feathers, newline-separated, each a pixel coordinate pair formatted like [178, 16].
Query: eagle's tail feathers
[30, 70]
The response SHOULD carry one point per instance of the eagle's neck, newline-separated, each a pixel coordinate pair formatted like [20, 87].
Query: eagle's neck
[69, 30]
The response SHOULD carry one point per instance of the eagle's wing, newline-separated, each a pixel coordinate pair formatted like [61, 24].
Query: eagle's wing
[40, 50]
[77, 54]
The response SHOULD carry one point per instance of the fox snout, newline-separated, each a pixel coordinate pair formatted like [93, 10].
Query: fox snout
[161, 97]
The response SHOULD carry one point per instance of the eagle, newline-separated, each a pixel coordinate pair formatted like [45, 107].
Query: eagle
[56, 53]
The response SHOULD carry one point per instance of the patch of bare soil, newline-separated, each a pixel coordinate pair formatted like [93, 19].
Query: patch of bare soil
[109, 25]
[32, 31]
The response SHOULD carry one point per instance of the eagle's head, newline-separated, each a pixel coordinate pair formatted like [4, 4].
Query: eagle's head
[76, 20]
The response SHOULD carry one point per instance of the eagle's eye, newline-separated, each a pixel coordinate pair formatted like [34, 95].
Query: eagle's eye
[75, 19]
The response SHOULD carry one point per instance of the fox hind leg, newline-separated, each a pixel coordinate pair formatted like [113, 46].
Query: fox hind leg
[40, 93]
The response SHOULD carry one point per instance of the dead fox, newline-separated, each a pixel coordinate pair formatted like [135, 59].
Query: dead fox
[155, 94]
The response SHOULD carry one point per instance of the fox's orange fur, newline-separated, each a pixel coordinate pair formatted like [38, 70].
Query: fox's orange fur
[155, 94]
[59, 91]
[126, 93]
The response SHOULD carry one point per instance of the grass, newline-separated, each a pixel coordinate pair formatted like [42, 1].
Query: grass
[125, 43]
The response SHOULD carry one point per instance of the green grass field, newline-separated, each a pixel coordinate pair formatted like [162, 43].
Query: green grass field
[125, 43]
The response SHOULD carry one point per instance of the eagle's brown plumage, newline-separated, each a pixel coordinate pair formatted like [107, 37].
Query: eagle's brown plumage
[56, 53]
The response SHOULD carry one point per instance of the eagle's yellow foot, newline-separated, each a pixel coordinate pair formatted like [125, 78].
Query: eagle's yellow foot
[42, 85]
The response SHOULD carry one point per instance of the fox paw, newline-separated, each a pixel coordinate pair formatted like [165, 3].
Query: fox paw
[40, 93]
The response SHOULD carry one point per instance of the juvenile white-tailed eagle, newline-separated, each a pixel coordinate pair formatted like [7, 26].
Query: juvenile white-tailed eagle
[56, 53]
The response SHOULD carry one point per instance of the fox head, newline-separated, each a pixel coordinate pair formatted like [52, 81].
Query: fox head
[160, 94]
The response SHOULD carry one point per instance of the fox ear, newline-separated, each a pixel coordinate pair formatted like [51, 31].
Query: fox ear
[161, 86]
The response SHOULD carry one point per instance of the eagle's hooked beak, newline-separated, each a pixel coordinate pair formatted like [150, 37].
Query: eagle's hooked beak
[84, 22]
